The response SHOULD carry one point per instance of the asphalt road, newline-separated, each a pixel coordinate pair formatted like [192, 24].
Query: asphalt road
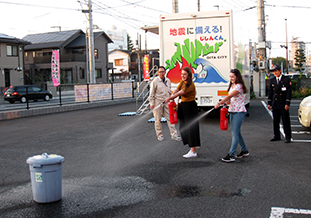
[115, 167]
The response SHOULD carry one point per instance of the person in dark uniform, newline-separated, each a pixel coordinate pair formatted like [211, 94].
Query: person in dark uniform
[279, 98]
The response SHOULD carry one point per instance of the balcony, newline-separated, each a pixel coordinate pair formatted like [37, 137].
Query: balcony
[63, 58]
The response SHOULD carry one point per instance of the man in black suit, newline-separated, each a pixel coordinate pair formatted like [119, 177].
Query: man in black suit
[279, 98]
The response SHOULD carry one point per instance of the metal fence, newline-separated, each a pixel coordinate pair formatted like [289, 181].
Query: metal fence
[76, 94]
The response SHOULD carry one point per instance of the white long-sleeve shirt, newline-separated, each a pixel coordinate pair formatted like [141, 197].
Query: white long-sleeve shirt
[159, 90]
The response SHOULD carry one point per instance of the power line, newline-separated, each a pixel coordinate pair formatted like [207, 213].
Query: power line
[101, 8]
[142, 6]
[111, 11]
[287, 6]
[39, 6]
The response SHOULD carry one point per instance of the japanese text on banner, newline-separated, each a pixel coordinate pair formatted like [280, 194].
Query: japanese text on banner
[55, 68]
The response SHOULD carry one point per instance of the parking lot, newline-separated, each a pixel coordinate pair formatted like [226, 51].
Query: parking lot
[115, 167]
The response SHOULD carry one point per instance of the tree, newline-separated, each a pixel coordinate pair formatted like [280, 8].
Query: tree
[130, 44]
[279, 61]
[300, 59]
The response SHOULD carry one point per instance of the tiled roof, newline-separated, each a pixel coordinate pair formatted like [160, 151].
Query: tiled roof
[120, 50]
[51, 39]
[10, 39]
[6, 36]
[80, 41]
[71, 38]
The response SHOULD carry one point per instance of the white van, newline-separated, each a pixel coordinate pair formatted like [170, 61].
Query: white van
[297, 75]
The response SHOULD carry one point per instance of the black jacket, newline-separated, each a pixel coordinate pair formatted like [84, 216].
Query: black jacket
[280, 94]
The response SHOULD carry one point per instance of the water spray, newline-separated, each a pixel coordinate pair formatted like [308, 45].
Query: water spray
[197, 119]
[157, 106]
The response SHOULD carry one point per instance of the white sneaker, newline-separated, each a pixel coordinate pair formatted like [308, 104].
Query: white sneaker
[190, 154]
[176, 138]
[160, 138]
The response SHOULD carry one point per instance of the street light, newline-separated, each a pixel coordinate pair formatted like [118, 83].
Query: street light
[286, 46]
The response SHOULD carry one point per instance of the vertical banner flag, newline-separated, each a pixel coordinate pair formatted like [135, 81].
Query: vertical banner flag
[146, 67]
[55, 68]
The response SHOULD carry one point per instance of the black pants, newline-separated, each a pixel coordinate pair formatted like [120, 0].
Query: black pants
[189, 125]
[277, 113]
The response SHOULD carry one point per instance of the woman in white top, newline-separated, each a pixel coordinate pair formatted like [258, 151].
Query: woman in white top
[237, 91]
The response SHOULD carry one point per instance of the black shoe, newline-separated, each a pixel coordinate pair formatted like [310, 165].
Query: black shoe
[228, 158]
[275, 139]
[287, 140]
[242, 154]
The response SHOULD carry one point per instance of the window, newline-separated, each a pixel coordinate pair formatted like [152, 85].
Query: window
[46, 53]
[36, 89]
[98, 73]
[66, 77]
[11, 50]
[82, 76]
[26, 56]
[118, 62]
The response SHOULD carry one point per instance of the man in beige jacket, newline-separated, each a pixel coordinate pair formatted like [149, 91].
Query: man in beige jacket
[160, 89]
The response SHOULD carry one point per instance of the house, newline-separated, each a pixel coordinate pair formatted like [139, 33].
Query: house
[121, 64]
[11, 61]
[73, 62]
[125, 64]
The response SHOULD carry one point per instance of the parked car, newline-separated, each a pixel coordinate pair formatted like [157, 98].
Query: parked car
[297, 75]
[304, 112]
[18, 93]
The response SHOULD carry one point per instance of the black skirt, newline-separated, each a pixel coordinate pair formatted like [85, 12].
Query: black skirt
[189, 124]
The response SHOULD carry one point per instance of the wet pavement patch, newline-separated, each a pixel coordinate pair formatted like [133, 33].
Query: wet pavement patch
[196, 191]
[93, 195]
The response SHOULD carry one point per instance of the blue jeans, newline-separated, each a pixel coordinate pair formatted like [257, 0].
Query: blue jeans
[236, 120]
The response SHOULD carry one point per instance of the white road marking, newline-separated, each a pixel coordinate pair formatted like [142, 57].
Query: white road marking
[278, 212]
[301, 132]
[296, 125]
[270, 112]
[281, 126]
[294, 121]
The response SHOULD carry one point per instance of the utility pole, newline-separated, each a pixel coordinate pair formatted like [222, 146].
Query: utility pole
[259, 78]
[175, 6]
[91, 44]
[87, 56]
[286, 47]
[139, 56]
[198, 5]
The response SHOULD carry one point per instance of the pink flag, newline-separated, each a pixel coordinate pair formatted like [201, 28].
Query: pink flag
[55, 68]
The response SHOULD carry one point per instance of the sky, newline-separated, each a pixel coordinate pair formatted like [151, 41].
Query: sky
[20, 18]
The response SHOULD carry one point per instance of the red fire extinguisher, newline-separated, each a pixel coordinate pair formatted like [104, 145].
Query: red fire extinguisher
[172, 111]
[224, 118]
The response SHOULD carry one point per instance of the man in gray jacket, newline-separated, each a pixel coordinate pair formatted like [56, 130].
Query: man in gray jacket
[160, 89]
